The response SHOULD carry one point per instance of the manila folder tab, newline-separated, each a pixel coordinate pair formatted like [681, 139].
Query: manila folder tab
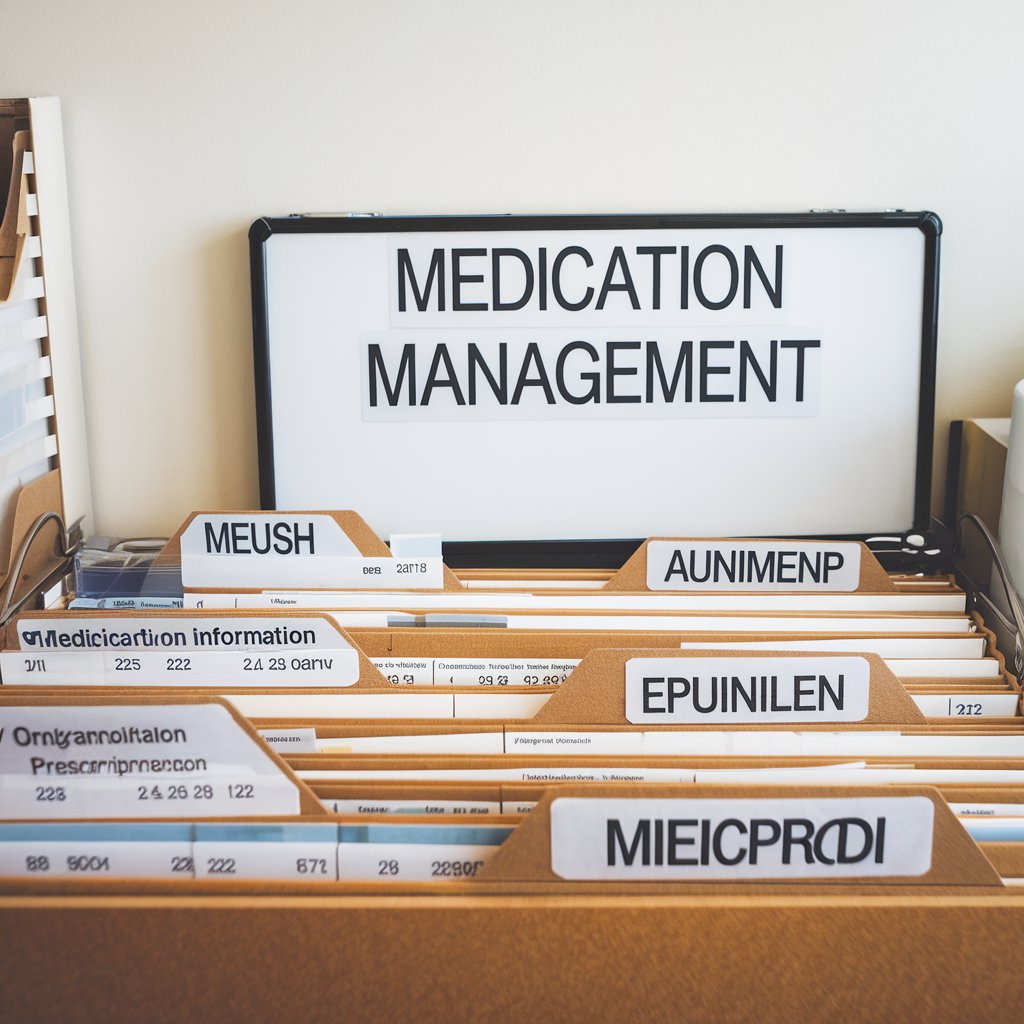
[943, 855]
[751, 566]
[595, 692]
[352, 525]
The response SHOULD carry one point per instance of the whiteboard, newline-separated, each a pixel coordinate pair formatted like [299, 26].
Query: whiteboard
[583, 378]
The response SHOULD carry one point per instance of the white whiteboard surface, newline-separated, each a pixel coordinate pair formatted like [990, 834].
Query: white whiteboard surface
[840, 458]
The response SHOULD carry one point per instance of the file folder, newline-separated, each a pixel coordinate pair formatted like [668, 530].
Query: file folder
[960, 901]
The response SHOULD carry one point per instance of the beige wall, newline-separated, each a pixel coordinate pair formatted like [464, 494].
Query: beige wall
[186, 120]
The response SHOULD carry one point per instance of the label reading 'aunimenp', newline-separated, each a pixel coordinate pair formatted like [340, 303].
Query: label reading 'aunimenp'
[722, 565]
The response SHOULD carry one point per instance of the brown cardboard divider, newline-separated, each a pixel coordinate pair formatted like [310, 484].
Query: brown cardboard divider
[422, 789]
[957, 859]
[453, 643]
[1006, 858]
[993, 651]
[633, 575]
[480, 792]
[595, 692]
[522, 863]
[15, 225]
[456, 642]
[352, 524]
[308, 802]
[273, 954]
[46, 552]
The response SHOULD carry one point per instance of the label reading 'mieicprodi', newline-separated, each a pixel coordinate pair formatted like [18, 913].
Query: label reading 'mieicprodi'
[711, 839]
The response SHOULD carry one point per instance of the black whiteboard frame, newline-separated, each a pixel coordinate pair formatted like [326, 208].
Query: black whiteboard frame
[611, 553]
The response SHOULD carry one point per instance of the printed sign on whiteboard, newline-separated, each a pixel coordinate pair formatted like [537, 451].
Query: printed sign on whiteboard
[552, 374]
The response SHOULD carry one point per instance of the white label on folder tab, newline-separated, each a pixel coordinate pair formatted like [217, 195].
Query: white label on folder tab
[409, 862]
[411, 805]
[501, 671]
[304, 852]
[406, 671]
[143, 761]
[177, 633]
[124, 855]
[967, 705]
[618, 742]
[290, 741]
[356, 572]
[495, 672]
[668, 691]
[272, 536]
[988, 810]
[291, 550]
[725, 840]
[722, 565]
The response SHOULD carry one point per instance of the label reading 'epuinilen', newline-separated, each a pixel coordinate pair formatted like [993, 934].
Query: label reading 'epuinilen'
[666, 691]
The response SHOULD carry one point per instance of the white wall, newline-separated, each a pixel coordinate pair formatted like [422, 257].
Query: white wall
[184, 121]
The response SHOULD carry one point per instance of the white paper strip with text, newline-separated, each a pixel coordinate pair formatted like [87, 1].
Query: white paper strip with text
[145, 761]
[688, 691]
[790, 839]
